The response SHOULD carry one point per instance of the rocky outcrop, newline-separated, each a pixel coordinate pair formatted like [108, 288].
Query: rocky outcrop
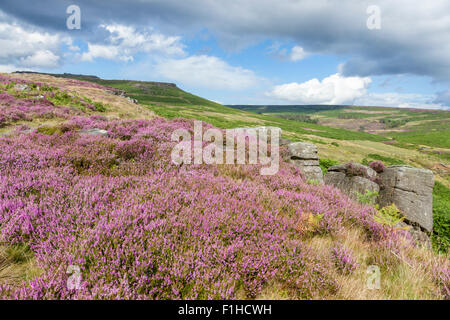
[411, 189]
[22, 87]
[95, 132]
[352, 179]
[132, 100]
[304, 156]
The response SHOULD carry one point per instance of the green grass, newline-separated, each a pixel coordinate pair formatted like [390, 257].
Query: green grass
[386, 160]
[422, 127]
[441, 216]
[172, 102]
[439, 138]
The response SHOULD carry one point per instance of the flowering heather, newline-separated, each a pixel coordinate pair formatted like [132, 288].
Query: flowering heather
[343, 260]
[40, 101]
[140, 227]
[377, 166]
[14, 109]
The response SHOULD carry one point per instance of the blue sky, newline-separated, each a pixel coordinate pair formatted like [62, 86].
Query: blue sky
[245, 52]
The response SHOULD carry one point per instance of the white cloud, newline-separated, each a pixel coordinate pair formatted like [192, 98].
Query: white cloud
[206, 72]
[335, 89]
[28, 48]
[41, 58]
[124, 42]
[104, 51]
[7, 68]
[400, 100]
[297, 53]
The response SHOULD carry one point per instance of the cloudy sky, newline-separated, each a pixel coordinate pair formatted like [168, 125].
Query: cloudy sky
[245, 51]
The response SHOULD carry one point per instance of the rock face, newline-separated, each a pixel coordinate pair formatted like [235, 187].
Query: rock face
[132, 100]
[354, 169]
[352, 179]
[95, 132]
[304, 156]
[22, 87]
[411, 189]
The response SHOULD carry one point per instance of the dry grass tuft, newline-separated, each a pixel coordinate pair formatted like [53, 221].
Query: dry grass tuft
[17, 264]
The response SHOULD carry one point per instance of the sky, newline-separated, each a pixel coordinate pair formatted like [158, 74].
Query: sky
[374, 53]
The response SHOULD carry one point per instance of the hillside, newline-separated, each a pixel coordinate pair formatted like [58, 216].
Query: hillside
[335, 144]
[417, 128]
[138, 226]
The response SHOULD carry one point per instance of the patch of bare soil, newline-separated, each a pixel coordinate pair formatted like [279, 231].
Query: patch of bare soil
[441, 168]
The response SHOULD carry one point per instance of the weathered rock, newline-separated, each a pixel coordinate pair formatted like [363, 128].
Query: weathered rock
[306, 162]
[350, 185]
[302, 150]
[420, 237]
[304, 156]
[95, 132]
[354, 169]
[117, 92]
[284, 142]
[22, 87]
[132, 100]
[411, 189]
[310, 172]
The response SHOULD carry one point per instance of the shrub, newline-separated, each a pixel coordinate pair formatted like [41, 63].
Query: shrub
[378, 166]
[335, 144]
[389, 216]
[353, 170]
[326, 163]
[343, 260]
[368, 197]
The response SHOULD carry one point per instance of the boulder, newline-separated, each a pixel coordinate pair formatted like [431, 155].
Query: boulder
[22, 87]
[304, 156]
[132, 100]
[350, 185]
[95, 132]
[420, 237]
[303, 151]
[411, 189]
[284, 142]
[354, 169]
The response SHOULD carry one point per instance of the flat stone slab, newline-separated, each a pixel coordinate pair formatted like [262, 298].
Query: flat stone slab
[95, 132]
[303, 151]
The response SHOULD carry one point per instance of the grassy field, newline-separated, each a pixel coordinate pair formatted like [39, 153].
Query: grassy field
[410, 126]
[118, 172]
[418, 138]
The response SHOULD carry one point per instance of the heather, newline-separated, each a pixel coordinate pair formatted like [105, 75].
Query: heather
[140, 227]
[40, 101]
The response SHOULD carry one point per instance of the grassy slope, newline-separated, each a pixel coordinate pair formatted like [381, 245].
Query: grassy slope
[336, 144]
[353, 145]
[404, 282]
[419, 127]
